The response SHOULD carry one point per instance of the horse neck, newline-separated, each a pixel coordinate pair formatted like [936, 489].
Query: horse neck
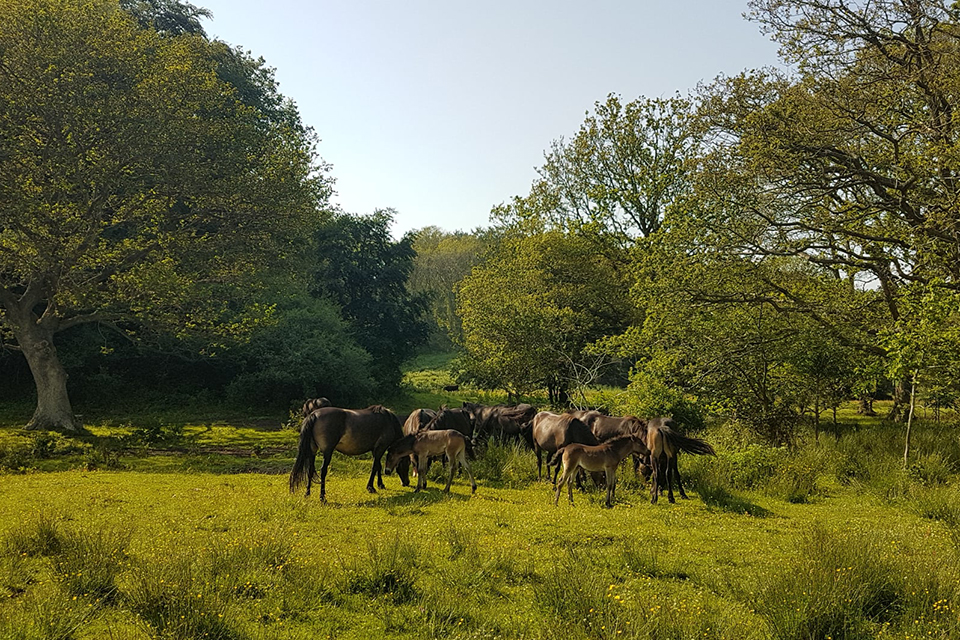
[622, 446]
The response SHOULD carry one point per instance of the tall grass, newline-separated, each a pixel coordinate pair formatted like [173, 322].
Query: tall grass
[852, 585]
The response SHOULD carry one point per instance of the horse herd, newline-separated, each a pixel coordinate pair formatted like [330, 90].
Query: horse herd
[587, 440]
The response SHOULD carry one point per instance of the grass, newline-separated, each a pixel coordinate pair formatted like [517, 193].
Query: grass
[156, 527]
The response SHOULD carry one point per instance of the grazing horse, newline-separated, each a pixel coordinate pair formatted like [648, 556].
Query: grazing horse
[348, 431]
[429, 443]
[604, 457]
[456, 419]
[664, 444]
[499, 421]
[551, 431]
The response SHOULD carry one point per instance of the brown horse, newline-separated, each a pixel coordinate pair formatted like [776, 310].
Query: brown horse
[499, 421]
[606, 427]
[604, 457]
[349, 431]
[429, 443]
[664, 444]
[552, 431]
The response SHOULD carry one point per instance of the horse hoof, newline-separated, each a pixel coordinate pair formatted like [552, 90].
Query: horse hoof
[371, 490]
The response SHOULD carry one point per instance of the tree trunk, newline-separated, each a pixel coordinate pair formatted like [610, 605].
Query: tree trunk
[901, 400]
[866, 405]
[53, 404]
[906, 439]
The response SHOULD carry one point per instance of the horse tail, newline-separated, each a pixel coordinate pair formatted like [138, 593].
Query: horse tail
[695, 446]
[305, 452]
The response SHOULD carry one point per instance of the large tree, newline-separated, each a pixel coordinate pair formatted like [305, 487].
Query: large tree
[530, 311]
[135, 183]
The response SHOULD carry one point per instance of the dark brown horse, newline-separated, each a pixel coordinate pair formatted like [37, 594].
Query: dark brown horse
[552, 431]
[456, 419]
[499, 421]
[349, 431]
[664, 444]
[604, 457]
[429, 443]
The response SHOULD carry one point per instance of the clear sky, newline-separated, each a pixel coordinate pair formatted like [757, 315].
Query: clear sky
[442, 109]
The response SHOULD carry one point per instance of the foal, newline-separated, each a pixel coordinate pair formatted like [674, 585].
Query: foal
[604, 457]
[432, 443]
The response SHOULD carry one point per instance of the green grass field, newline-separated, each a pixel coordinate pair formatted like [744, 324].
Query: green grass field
[187, 530]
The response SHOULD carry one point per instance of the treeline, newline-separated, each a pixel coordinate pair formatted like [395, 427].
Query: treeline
[766, 247]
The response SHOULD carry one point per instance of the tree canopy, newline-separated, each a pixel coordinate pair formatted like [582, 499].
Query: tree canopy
[135, 183]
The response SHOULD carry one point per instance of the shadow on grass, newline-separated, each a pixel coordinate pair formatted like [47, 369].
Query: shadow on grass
[720, 498]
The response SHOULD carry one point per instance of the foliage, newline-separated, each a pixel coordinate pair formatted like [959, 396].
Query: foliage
[533, 307]
[365, 272]
[443, 259]
[137, 185]
[308, 352]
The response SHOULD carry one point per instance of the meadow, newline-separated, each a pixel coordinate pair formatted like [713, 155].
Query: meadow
[152, 527]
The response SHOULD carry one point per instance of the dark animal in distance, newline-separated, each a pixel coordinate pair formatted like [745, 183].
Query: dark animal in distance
[552, 431]
[604, 457]
[429, 443]
[313, 404]
[664, 444]
[349, 431]
[452, 387]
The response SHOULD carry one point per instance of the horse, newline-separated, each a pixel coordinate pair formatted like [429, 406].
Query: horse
[313, 404]
[606, 427]
[456, 419]
[418, 420]
[349, 431]
[499, 421]
[432, 443]
[664, 444]
[604, 457]
[551, 431]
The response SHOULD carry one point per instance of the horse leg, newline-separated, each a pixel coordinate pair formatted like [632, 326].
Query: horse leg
[422, 462]
[374, 470]
[452, 464]
[540, 463]
[556, 472]
[323, 476]
[378, 460]
[611, 480]
[654, 479]
[676, 474]
[564, 478]
[669, 480]
[466, 467]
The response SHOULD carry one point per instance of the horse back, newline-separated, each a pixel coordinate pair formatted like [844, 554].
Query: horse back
[354, 431]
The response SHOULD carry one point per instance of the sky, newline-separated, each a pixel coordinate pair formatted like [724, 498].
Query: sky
[442, 109]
